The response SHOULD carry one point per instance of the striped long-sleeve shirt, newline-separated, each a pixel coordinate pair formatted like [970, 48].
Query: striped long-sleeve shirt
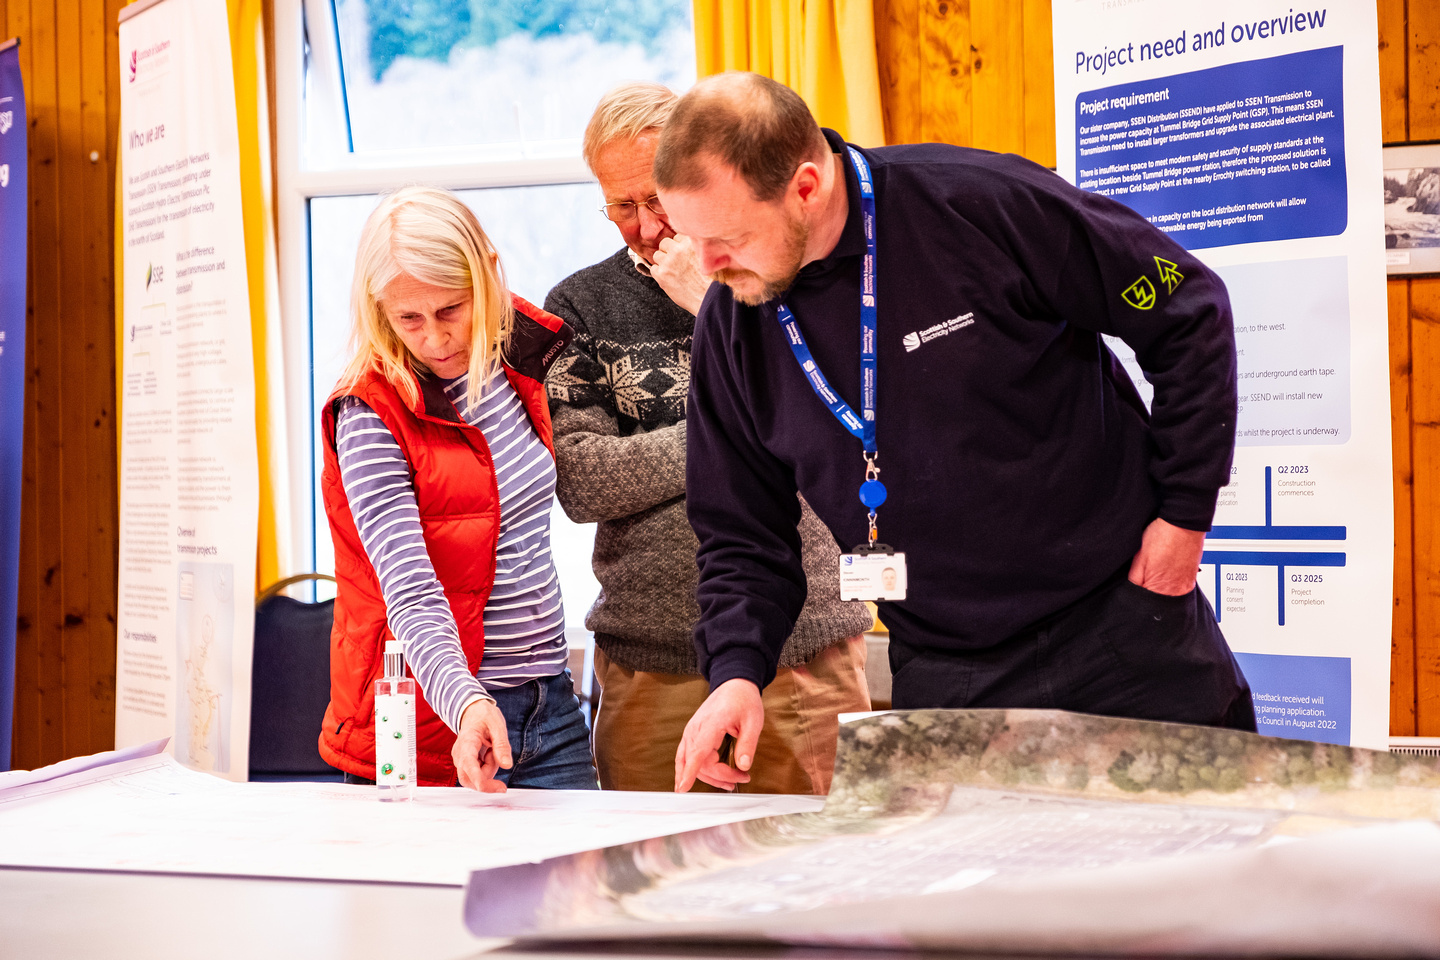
[524, 619]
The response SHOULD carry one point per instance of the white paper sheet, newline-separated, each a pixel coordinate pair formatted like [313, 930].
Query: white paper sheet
[151, 814]
[14, 779]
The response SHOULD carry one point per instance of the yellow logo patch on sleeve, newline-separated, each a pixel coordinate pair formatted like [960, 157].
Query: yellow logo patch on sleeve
[1140, 294]
[1170, 275]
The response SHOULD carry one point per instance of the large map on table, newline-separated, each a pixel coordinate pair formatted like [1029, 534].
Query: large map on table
[139, 810]
[1032, 830]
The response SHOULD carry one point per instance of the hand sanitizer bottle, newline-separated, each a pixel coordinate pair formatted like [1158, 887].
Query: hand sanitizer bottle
[395, 769]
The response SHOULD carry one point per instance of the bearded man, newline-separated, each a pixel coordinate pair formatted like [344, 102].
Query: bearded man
[910, 337]
[617, 398]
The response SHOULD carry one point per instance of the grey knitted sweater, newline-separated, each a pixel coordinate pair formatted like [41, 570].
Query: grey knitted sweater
[617, 397]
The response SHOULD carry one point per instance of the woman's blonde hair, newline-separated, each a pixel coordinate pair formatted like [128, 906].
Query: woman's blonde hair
[430, 235]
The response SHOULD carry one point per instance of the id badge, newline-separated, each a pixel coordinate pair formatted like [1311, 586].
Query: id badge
[876, 573]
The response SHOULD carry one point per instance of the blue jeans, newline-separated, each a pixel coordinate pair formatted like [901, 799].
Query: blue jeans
[549, 742]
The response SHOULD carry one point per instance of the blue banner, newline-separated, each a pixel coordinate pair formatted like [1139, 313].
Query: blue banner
[1299, 698]
[14, 160]
[1246, 152]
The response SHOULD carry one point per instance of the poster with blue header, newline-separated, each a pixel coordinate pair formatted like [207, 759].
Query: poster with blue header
[1249, 132]
[14, 161]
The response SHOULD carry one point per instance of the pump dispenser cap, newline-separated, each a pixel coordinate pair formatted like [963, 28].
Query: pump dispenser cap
[394, 659]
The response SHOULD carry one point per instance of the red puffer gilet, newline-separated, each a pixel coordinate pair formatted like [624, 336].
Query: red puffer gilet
[459, 501]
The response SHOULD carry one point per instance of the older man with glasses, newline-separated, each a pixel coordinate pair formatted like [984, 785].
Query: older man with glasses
[618, 402]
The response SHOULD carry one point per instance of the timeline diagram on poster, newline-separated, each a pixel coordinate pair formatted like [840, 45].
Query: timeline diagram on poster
[1246, 131]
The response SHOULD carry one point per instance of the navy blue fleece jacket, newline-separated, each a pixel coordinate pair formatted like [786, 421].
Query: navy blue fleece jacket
[1021, 465]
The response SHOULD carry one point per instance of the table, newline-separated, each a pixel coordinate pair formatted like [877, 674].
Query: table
[80, 915]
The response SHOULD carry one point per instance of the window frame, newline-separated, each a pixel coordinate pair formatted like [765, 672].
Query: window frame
[336, 171]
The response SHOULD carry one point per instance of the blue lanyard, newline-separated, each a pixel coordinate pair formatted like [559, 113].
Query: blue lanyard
[872, 492]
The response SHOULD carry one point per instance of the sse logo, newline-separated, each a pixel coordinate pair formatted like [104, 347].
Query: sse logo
[134, 63]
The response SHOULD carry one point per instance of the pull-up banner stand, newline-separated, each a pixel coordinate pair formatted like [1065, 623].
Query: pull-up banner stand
[189, 487]
[14, 162]
[1249, 131]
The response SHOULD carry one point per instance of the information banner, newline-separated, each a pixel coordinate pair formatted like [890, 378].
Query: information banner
[14, 162]
[189, 487]
[1249, 131]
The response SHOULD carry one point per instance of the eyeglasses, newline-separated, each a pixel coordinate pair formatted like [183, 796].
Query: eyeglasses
[622, 210]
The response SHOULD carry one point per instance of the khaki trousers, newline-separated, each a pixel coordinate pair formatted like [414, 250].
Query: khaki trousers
[641, 717]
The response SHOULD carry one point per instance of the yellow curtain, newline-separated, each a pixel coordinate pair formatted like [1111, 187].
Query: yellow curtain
[247, 49]
[824, 50]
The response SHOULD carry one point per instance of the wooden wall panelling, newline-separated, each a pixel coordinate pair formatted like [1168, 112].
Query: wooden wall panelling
[945, 77]
[971, 72]
[1402, 634]
[1424, 69]
[897, 50]
[66, 641]
[1394, 69]
[1039, 79]
[100, 109]
[71, 385]
[1423, 29]
[1425, 350]
[997, 75]
[45, 295]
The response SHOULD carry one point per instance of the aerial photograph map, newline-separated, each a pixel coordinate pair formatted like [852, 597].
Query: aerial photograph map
[1025, 829]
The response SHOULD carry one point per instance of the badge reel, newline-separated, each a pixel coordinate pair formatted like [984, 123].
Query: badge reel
[872, 571]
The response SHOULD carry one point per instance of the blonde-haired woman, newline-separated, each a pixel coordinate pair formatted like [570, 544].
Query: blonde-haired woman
[438, 479]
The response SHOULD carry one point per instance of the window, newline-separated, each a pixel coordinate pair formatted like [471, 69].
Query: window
[489, 98]
[499, 73]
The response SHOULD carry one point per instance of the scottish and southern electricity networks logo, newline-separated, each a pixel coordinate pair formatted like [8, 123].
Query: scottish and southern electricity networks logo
[4, 174]
[7, 120]
[913, 341]
[154, 58]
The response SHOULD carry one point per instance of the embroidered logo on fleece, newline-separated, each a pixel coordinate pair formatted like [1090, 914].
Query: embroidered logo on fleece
[1141, 293]
[913, 341]
[1170, 275]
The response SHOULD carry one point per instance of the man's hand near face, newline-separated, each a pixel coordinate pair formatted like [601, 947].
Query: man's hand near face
[677, 270]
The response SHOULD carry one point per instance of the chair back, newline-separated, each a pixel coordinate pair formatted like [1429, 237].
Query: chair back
[290, 685]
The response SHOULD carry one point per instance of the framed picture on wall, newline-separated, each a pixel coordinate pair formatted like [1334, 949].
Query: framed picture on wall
[1412, 208]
